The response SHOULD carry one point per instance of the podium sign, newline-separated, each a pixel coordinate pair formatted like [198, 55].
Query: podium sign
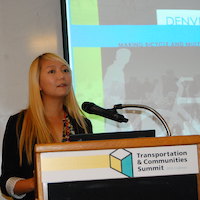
[115, 159]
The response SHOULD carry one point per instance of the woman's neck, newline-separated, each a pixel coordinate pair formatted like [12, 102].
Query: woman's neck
[54, 114]
[53, 107]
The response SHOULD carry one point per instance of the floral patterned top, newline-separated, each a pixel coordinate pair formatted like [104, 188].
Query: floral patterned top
[67, 128]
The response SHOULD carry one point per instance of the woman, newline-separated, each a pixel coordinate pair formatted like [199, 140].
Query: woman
[52, 115]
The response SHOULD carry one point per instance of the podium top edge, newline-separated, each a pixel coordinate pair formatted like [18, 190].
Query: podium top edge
[118, 143]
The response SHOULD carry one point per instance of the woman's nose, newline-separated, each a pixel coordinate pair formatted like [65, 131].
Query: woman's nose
[60, 74]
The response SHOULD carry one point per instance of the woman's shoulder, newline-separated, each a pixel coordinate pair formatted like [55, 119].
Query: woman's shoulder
[16, 116]
[89, 125]
[10, 133]
[87, 121]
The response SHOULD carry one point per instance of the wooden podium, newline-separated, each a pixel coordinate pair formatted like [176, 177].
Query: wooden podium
[120, 160]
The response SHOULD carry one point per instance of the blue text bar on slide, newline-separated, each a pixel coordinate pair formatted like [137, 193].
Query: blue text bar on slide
[117, 35]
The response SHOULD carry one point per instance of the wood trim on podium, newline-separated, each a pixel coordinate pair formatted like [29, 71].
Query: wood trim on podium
[112, 144]
[39, 194]
[118, 143]
[198, 175]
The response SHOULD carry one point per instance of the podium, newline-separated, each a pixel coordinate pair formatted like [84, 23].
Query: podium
[140, 168]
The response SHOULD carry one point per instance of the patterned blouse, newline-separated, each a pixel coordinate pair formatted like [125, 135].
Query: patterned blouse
[67, 128]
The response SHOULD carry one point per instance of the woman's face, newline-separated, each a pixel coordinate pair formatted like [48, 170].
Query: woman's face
[55, 79]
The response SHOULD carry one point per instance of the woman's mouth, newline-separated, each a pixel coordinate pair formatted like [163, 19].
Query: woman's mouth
[62, 85]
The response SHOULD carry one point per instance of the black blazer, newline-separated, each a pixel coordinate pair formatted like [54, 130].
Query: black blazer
[10, 154]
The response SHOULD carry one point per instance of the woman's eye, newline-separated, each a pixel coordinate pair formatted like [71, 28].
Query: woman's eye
[51, 71]
[65, 70]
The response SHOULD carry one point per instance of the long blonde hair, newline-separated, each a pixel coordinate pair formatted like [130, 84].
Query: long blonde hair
[35, 128]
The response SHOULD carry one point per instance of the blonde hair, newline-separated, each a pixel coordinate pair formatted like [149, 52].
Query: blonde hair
[35, 128]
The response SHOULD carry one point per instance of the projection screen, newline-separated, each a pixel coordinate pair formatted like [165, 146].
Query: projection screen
[136, 52]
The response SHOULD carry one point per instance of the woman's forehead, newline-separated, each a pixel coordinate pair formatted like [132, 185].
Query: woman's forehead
[52, 62]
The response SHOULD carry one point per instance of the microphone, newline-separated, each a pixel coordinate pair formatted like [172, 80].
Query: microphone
[112, 114]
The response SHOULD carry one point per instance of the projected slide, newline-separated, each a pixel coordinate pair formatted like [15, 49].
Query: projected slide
[137, 52]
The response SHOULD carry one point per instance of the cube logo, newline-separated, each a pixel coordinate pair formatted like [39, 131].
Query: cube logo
[121, 161]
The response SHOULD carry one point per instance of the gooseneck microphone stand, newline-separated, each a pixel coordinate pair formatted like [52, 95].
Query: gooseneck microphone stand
[121, 106]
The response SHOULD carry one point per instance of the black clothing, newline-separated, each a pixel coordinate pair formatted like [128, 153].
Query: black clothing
[10, 154]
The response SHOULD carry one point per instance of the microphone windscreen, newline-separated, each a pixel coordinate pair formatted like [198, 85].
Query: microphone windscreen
[86, 106]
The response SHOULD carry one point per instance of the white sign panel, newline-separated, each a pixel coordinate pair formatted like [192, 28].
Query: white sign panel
[119, 163]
